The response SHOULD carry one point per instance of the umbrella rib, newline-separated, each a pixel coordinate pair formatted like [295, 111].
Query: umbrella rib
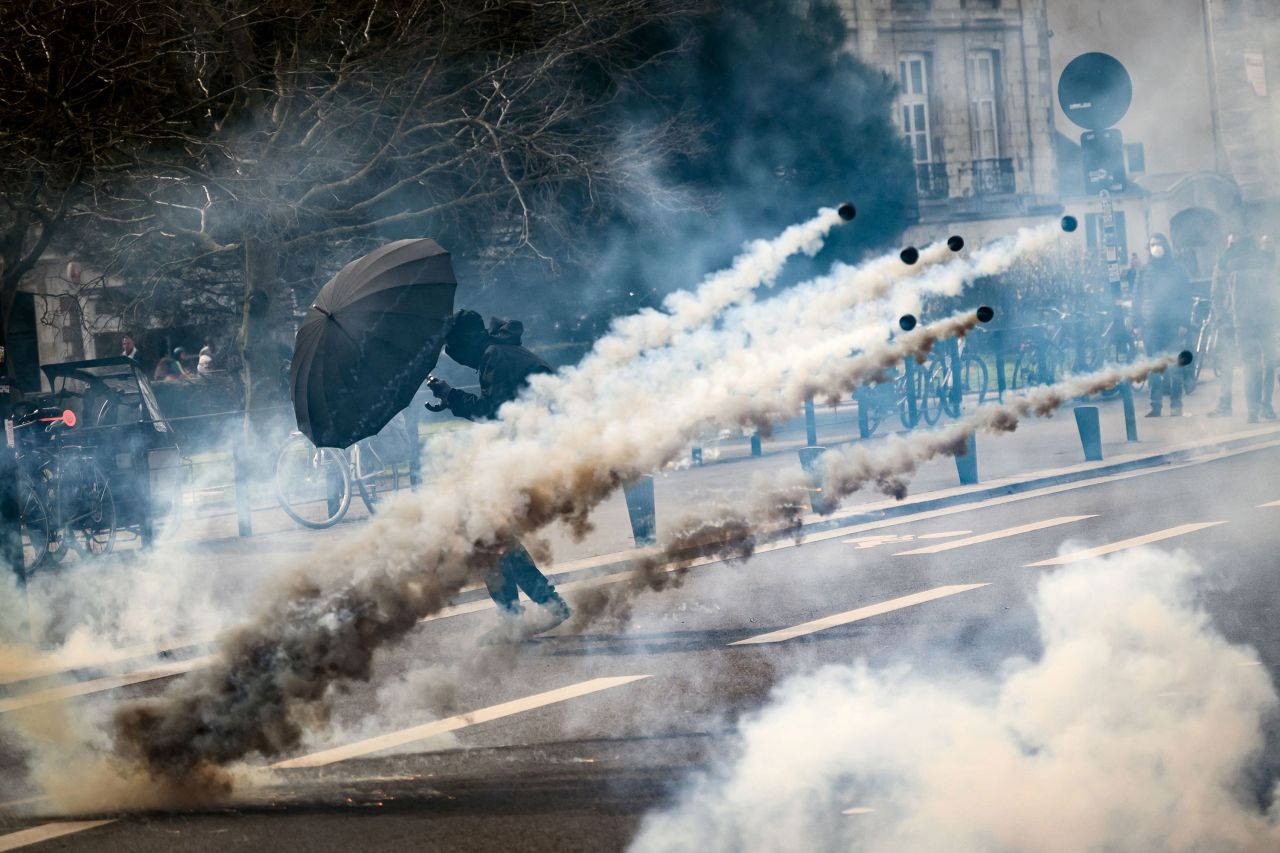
[335, 322]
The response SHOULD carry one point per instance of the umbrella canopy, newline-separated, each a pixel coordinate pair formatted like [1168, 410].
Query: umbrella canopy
[369, 341]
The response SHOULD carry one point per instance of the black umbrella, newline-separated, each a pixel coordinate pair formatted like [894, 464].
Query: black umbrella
[369, 341]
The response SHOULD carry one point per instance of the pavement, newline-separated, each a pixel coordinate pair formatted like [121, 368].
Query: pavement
[567, 742]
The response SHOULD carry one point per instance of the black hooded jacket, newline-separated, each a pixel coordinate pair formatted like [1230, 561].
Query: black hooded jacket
[1163, 300]
[505, 368]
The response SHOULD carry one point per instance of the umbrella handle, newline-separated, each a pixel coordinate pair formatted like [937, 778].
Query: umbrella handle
[432, 408]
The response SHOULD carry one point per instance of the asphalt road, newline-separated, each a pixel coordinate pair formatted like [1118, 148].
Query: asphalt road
[577, 737]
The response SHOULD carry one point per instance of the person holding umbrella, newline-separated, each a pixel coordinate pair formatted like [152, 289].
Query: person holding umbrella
[504, 367]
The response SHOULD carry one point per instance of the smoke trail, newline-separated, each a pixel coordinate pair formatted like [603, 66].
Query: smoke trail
[510, 478]
[1134, 730]
[733, 533]
[649, 332]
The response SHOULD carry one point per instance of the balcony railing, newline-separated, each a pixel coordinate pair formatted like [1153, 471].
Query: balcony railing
[931, 181]
[993, 177]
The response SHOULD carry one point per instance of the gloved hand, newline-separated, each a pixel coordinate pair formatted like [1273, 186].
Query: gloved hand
[438, 387]
[441, 389]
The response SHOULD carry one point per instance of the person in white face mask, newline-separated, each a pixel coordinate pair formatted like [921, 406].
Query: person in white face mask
[1162, 304]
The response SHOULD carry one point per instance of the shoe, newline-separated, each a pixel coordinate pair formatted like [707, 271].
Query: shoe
[554, 613]
[1253, 417]
[1154, 413]
[1175, 412]
[1267, 413]
[509, 630]
[1220, 413]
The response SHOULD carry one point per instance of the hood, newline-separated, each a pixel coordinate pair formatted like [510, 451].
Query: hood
[503, 331]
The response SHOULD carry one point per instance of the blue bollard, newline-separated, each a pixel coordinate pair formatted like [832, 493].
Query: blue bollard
[1130, 417]
[810, 423]
[967, 462]
[757, 449]
[817, 496]
[697, 454]
[643, 511]
[1090, 432]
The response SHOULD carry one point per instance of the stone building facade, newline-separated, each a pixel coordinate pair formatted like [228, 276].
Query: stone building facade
[1201, 134]
[975, 103]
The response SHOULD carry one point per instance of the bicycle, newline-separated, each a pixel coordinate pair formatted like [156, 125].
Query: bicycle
[878, 399]
[64, 493]
[1206, 345]
[314, 486]
[940, 383]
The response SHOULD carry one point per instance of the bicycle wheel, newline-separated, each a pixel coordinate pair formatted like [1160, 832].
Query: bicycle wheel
[905, 395]
[974, 377]
[870, 413]
[937, 383]
[87, 507]
[371, 475]
[38, 537]
[313, 485]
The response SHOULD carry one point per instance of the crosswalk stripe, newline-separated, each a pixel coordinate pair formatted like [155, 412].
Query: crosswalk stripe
[47, 832]
[1269, 504]
[1102, 550]
[98, 685]
[450, 724]
[993, 535]
[859, 614]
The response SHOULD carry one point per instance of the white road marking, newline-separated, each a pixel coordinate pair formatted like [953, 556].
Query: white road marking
[47, 832]
[859, 614]
[450, 724]
[874, 541]
[856, 810]
[98, 685]
[25, 801]
[1268, 504]
[42, 663]
[1125, 544]
[994, 535]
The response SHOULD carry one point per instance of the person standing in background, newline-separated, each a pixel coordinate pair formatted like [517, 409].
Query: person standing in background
[1247, 275]
[1162, 310]
[1224, 354]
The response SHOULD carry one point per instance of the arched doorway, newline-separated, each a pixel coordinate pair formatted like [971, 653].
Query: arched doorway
[1198, 237]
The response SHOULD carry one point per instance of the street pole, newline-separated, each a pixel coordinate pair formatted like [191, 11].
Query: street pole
[10, 511]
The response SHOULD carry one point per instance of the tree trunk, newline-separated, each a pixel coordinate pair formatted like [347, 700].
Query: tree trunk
[259, 360]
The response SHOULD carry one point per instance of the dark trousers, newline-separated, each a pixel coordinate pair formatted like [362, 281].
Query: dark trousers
[1167, 382]
[1225, 358]
[517, 571]
[1258, 353]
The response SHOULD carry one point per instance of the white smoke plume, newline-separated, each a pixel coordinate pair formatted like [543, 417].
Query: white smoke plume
[1135, 729]
[776, 509]
[510, 479]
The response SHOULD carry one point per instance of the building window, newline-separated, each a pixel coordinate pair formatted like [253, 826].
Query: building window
[1095, 237]
[913, 78]
[984, 103]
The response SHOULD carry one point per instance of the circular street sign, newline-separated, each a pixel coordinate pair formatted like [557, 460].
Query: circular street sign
[1095, 90]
